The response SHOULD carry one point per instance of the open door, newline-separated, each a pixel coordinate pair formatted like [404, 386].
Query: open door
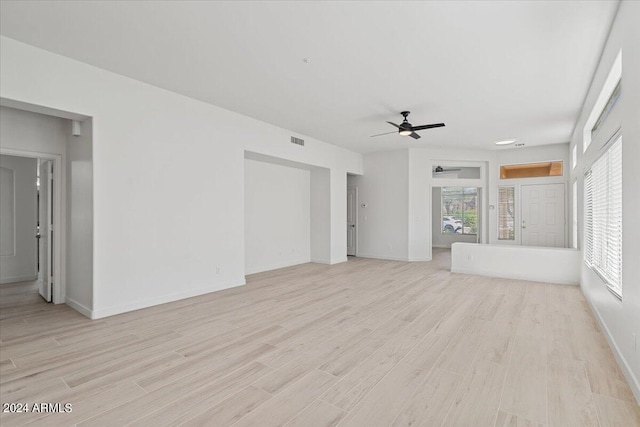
[352, 211]
[45, 230]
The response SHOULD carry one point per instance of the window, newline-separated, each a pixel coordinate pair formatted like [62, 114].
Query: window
[604, 104]
[574, 156]
[611, 102]
[506, 213]
[574, 197]
[603, 217]
[459, 210]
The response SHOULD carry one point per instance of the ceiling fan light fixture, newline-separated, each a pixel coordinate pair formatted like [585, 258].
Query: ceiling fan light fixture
[405, 132]
[506, 142]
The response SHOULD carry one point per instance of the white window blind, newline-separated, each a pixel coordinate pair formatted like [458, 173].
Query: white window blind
[603, 217]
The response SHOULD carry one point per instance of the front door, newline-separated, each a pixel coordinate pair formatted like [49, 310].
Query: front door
[352, 211]
[45, 231]
[543, 218]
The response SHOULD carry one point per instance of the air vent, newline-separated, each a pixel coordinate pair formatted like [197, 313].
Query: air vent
[297, 141]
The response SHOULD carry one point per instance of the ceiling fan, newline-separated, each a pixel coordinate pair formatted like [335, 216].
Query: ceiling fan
[406, 129]
[440, 169]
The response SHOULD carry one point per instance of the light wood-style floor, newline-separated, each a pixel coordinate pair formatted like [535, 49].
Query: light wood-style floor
[364, 343]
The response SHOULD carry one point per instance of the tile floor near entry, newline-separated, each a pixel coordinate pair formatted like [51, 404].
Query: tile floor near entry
[364, 343]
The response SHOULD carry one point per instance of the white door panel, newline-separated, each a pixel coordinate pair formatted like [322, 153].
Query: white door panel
[543, 218]
[45, 213]
[352, 210]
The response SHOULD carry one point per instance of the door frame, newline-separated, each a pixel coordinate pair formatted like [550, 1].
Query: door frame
[59, 255]
[356, 214]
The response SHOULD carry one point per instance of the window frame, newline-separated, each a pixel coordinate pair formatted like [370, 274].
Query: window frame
[443, 215]
[513, 189]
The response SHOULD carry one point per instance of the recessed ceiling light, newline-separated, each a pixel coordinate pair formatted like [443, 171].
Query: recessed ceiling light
[506, 142]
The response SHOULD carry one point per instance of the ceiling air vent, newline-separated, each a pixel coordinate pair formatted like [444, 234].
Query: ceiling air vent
[297, 141]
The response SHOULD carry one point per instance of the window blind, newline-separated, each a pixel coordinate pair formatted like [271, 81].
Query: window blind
[603, 217]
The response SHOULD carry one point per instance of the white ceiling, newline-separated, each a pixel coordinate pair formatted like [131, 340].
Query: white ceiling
[490, 70]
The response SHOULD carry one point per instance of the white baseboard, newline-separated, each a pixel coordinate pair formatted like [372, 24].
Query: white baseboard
[150, 302]
[338, 260]
[29, 278]
[79, 307]
[622, 362]
[321, 260]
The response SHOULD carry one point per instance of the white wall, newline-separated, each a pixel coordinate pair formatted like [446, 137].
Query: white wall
[513, 156]
[440, 239]
[24, 130]
[421, 163]
[168, 175]
[277, 216]
[551, 265]
[396, 187]
[18, 259]
[382, 224]
[620, 319]
[79, 159]
[411, 214]
[338, 206]
[320, 215]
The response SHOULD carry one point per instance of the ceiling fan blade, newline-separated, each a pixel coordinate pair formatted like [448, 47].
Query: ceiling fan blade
[435, 125]
[393, 124]
[414, 135]
[387, 133]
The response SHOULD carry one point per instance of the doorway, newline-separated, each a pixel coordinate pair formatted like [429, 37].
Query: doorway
[543, 215]
[28, 201]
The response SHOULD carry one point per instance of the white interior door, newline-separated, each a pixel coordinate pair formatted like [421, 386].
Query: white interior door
[45, 234]
[352, 210]
[18, 254]
[543, 216]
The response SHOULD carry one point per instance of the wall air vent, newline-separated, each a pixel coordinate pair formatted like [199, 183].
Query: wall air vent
[297, 141]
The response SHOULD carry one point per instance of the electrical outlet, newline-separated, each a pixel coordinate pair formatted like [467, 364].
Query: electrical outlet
[218, 270]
